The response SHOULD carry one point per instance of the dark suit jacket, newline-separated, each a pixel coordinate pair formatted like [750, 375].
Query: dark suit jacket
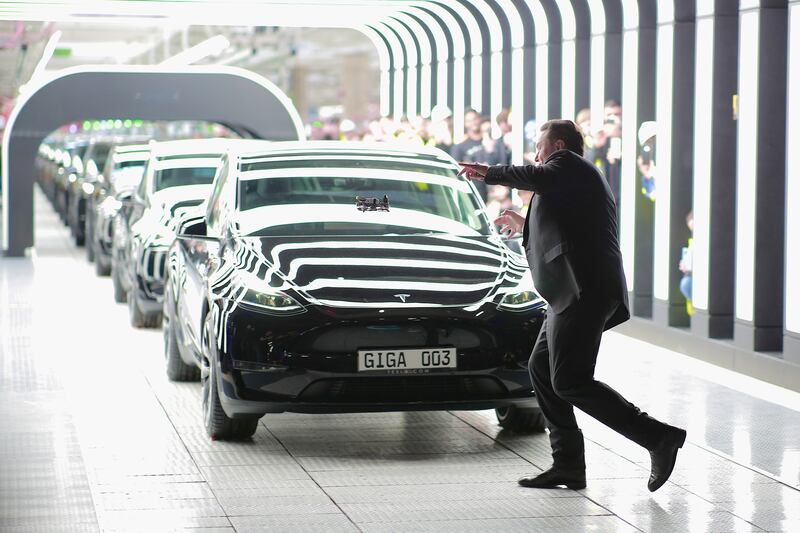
[570, 234]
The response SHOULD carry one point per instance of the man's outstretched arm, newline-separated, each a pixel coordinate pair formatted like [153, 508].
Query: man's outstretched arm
[537, 178]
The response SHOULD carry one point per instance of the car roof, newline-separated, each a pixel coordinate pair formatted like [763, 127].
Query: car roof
[129, 148]
[342, 148]
[211, 146]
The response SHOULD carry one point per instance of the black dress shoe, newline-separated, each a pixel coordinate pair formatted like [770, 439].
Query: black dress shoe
[662, 457]
[556, 478]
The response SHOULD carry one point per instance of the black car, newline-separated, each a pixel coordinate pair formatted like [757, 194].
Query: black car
[121, 175]
[70, 167]
[177, 179]
[83, 187]
[348, 277]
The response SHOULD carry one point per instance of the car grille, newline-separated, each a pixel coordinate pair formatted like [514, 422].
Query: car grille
[403, 389]
[348, 339]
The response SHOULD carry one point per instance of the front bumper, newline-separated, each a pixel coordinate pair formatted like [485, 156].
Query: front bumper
[150, 275]
[308, 363]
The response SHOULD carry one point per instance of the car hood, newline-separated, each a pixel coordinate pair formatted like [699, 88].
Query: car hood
[387, 271]
[167, 198]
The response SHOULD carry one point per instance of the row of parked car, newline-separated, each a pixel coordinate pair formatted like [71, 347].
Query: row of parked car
[306, 276]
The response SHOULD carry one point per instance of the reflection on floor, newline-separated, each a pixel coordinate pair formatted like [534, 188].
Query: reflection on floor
[95, 438]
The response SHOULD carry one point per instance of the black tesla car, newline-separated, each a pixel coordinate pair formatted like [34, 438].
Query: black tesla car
[348, 277]
[83, 186]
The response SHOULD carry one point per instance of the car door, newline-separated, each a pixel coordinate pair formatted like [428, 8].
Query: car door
[201, 255]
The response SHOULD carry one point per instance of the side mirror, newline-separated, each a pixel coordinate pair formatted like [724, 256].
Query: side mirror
[192, 231]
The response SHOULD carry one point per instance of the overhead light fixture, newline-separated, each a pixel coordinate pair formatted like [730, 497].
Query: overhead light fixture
[208, 48]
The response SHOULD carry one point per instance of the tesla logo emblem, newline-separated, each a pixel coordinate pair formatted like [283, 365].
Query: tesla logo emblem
[402, 297]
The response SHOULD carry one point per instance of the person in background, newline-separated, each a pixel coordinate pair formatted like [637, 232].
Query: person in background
[584, 121]
[473, 136]
[470, 148]
[503, 120]
[441, 128]
[685, 266]
[646, 159]
[491, 151]
[606, 150]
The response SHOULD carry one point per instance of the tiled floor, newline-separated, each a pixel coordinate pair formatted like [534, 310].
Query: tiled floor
[94, 437]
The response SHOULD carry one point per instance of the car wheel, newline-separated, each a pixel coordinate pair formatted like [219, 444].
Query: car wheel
[177, 370]
[120, 294]
[219, 426]
[140, 319]
[521, 419]
[90, 250]
[100, 268]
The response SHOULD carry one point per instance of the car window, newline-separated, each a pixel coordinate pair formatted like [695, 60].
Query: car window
[311, 202]
[180, 177]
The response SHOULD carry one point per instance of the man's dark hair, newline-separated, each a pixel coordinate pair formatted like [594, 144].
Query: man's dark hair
[567, 131]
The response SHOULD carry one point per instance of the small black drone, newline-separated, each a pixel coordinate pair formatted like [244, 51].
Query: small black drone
[372, 204]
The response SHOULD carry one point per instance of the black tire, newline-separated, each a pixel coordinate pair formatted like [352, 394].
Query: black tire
[90, 255]
[219, 426]
[100, 268]
[177, 370]
[139, 319]
[521, 419]
[120, 294]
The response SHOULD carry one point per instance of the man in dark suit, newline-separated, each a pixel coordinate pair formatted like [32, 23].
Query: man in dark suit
[570, 239]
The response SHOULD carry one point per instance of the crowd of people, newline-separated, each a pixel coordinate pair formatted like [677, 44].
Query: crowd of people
[485, 140]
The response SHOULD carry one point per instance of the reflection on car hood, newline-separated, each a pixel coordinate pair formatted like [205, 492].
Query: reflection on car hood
[258, 220]
[173, 195]
[388, 271]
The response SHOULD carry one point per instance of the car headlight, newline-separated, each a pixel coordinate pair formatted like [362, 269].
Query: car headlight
[274, 301]
[519, 301]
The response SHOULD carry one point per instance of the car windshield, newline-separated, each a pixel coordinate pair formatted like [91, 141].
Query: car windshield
[322, 201]
[100, 154]
[180, 177]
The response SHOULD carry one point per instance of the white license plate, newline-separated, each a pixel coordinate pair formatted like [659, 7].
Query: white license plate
[403, 361]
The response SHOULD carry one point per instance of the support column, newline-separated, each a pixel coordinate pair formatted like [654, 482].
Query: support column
[554, 60]
[761, 172]
[613, 51]
[714, 169]
[674, 146]
[583, 50]
[791, 333]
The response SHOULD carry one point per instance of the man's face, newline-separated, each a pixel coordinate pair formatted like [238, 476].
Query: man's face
[472, 122]
[545, 147]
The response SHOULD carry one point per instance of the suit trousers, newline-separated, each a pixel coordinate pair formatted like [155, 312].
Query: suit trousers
[562, 369]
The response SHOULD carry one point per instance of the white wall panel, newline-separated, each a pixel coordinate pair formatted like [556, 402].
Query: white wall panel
[702, 160]
[664, 75]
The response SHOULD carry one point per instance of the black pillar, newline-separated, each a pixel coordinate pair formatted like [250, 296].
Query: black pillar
[672, 310]
[761, 327]
[716, 319]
